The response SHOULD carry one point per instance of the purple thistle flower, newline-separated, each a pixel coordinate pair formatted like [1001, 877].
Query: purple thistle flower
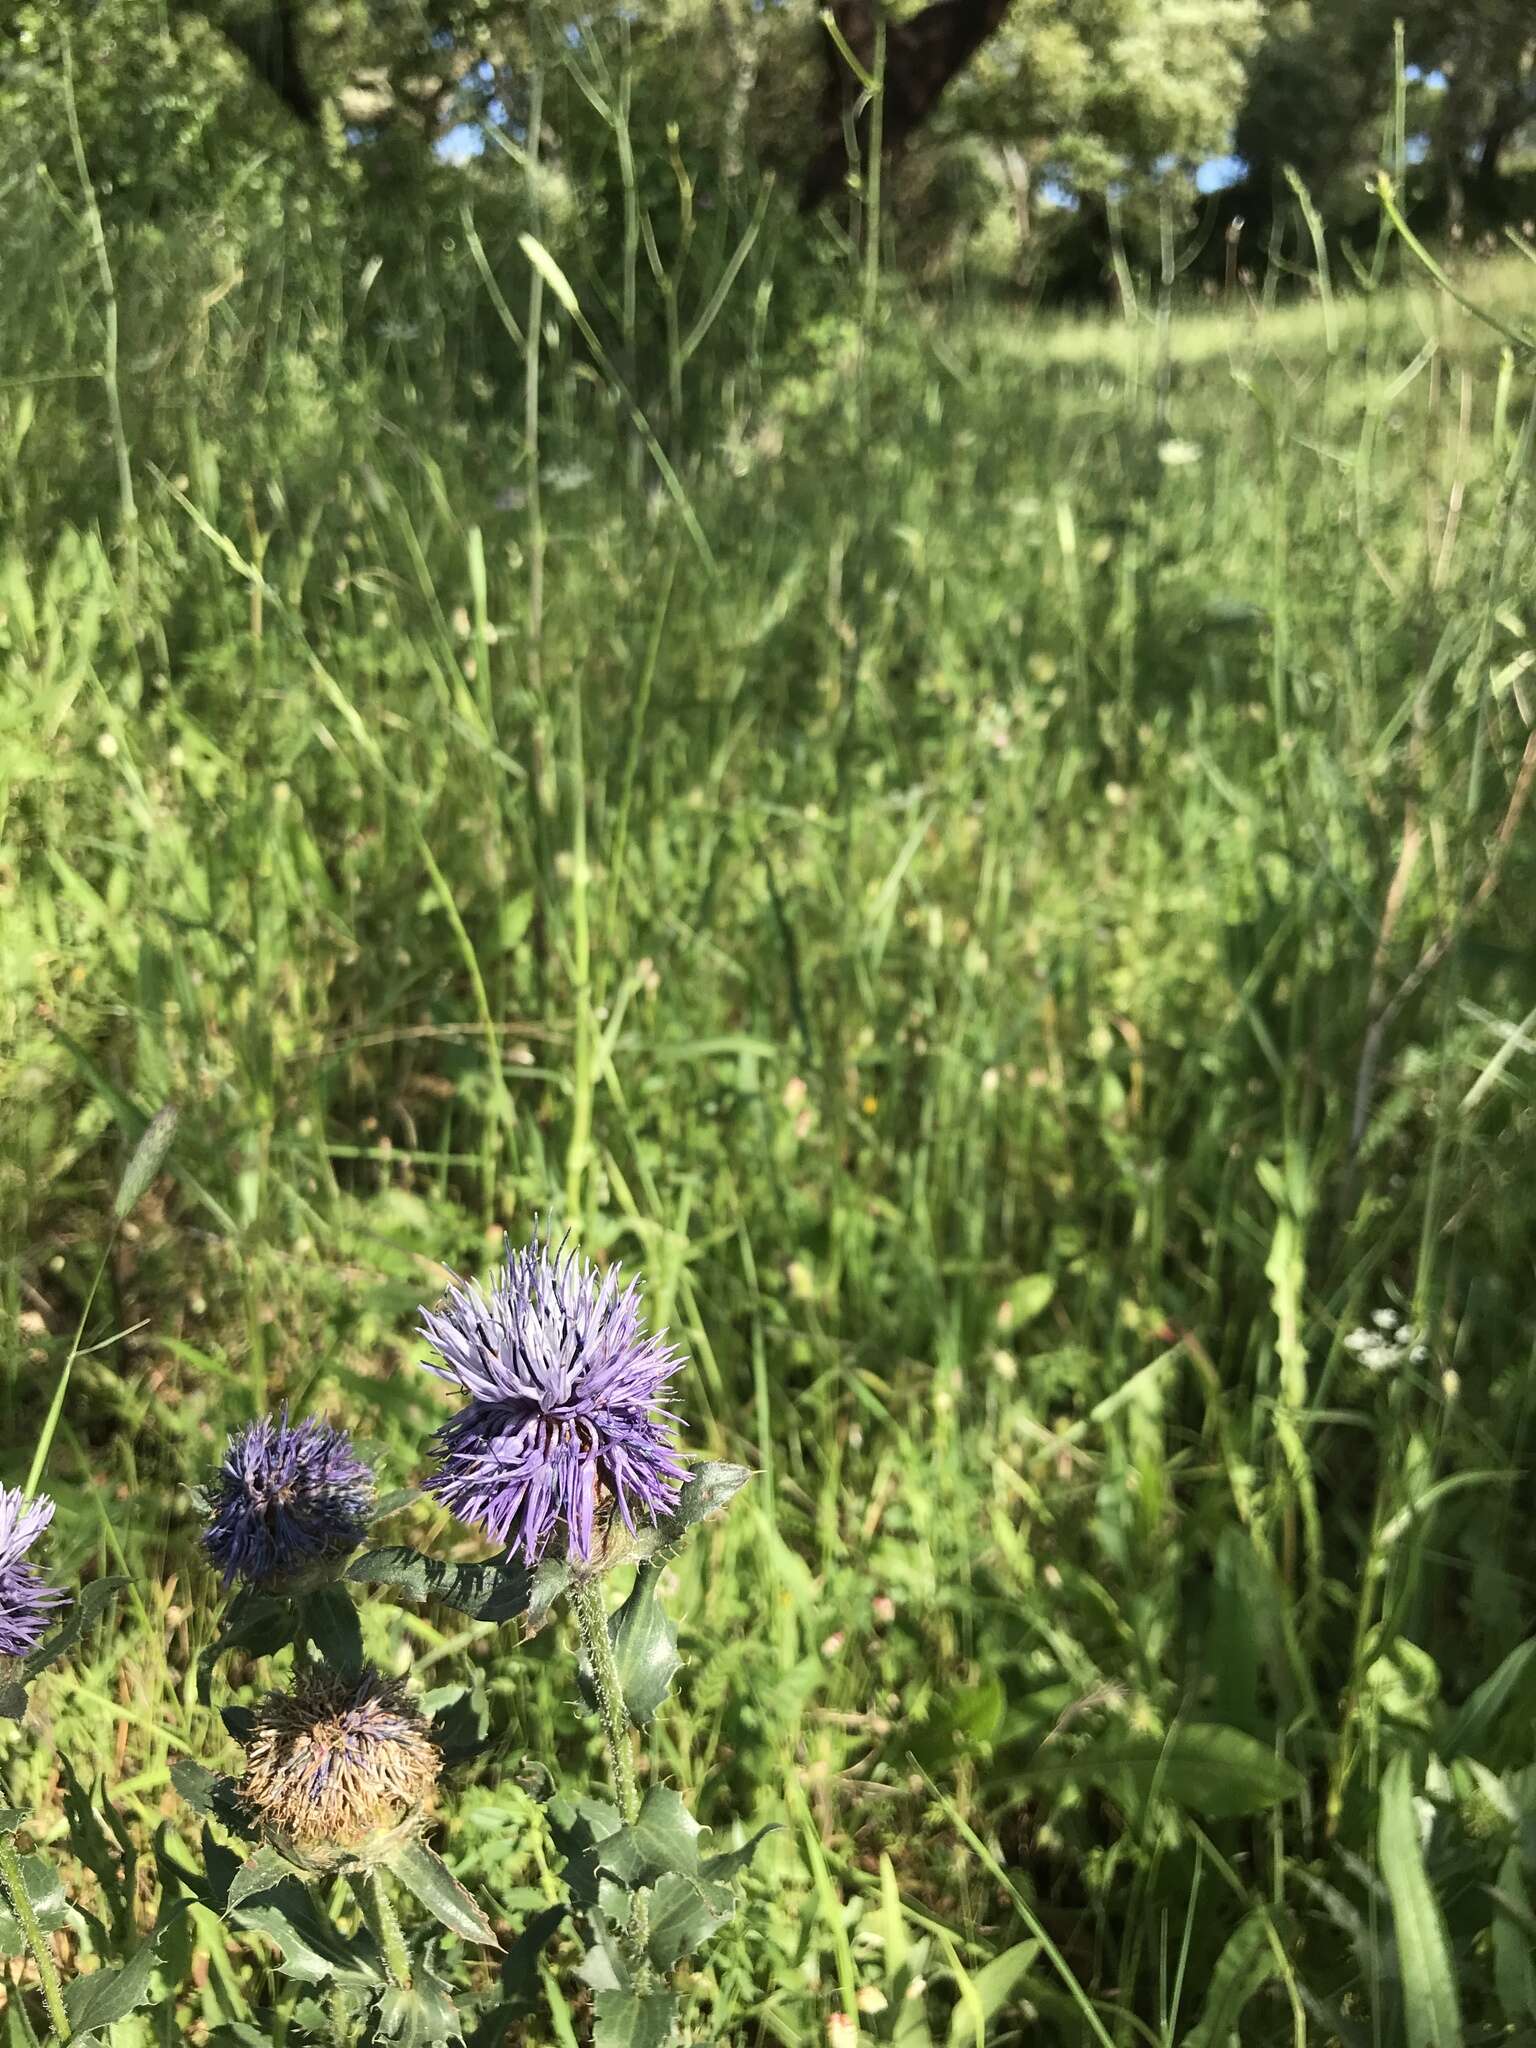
[561, 1427]
[286, 1496]
[27, 1601]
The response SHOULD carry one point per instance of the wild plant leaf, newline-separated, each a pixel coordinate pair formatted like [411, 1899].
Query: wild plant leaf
[1476, 1723]
[685, 1912]
[107, 1996]
[423, 1872]
[312, 1950]
[1199, 1765]
[263, 1873]
[13, 1701]
[495, 1591]
[550, 1579]
[418, 2018]
[644, 1648]
[708, 1490]
[328, 1617]
[259, 1624]
[664, 1837]
[520, 1967]
[730, 1861]
[46, 1895]
[92, 1604]
[1431, 2007]
[1514, 1929]
[1246, 1962]
[11, 1818]
[626, 2019]
[146, 1160]
[604, 1966]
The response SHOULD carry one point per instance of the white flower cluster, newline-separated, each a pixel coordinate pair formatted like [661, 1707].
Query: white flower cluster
[1387, 1342]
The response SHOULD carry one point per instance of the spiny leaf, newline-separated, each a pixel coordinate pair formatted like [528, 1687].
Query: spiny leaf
[265, 1871]
[625, 2019]
[664, 1837]
[107, 1996]
[708, 1490]
[418, 2018]
[495, 1591]
[422, 1871]
[644, 1648]
[685, 1912]
[729, 1861]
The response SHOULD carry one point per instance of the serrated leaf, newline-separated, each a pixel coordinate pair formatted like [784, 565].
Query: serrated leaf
[313, 1951]
[419, 2017]
[93, 1602]
[11, 1818]
[664, 1837]
[495, 1591]
[107, 1996]
[644, 1648]
[13, 1701]
[1201, 1765]
[1431, 2008]
[146, 1160]
[423, 1872]
[197, 1784]
[328, 1617]
[263, 1873]
[708, 1490]
[48, 1902]
[625, 2019]
[685, 1912]
[730, 1861]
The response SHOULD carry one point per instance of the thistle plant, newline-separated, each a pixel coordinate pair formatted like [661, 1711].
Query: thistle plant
[287, 1497]
[565, 1454]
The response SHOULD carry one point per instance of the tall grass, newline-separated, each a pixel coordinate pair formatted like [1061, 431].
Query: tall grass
[942, 928]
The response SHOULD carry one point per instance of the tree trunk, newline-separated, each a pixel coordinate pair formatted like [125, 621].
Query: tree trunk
[922, 55]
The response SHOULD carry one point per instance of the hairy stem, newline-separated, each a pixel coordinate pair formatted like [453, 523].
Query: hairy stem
[592, 1620]
[15, 1885]
[383, 1925]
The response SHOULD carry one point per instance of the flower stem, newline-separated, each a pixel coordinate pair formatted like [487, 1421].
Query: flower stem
[592, 1620]
[15, 1885]
[383, 1925]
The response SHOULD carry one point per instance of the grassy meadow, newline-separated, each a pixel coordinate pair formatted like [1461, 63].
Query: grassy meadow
[989, 857]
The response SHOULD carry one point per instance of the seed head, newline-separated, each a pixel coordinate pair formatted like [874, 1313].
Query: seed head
[27, 1601]
[338, 1761]
[560, 1433]
[286, 1496]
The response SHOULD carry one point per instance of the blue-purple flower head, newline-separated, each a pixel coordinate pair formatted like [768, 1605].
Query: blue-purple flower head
[561, 1431]
[27, 1601]
[288, 1496]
